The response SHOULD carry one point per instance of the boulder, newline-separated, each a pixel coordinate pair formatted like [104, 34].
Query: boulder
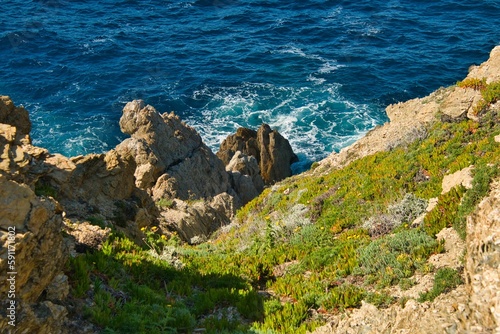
[17, 117]
[272, 151]
[196, 221]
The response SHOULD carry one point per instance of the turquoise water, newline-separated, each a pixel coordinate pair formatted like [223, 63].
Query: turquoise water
[321, 72]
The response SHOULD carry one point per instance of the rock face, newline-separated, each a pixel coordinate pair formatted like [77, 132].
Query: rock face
[15, 116]
[172, 161]
[483, 263]
[245, 176]
[272, 151]
[30, 234]
[194, 222]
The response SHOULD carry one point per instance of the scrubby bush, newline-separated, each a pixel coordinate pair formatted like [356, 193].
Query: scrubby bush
[404, 211]
[387, 260]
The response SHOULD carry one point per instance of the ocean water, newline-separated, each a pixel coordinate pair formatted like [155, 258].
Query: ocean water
[321, 72]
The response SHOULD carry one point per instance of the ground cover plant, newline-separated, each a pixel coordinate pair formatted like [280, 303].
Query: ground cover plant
[310, 246]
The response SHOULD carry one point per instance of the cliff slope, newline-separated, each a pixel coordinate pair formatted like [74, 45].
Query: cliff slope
[371, 240]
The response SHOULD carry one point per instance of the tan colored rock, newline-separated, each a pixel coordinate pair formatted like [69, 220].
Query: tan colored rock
[87, 236]
[30, 233]
[459, 103]
[13, 159]
[244, 140]
[172, 161]
[488, 69]
[194, 221]
[15, 204]
[272, 151]
[483, 262]
[462, 177]
[454, 248]
[245, 176]
[18, 117]
[445, 315]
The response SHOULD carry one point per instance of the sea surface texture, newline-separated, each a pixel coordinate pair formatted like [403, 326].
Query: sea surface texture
[321, 72]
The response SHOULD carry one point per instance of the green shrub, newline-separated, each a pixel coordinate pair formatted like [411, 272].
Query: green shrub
[389, 259]
[165, 203]
[445, 280]
[342, 297]
[443, 215]
[45, 189]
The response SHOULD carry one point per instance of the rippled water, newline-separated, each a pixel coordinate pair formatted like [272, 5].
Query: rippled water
[321, 72]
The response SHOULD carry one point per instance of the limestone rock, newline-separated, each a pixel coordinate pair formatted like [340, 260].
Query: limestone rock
[245, 176]
[87, 236]
[272, 151]
[483, 262]
[488, 69]
[30, 229]
[15, 116]
[462, 177]
[14, 160]
[244, 140]
[194, 221]
[172, 161]
[459, 104]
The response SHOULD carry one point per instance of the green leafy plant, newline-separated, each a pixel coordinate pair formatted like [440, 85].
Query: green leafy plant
[165, 203]
[391, 258]
[445, 280]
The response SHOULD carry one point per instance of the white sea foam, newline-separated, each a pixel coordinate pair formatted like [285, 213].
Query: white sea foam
[312, 118]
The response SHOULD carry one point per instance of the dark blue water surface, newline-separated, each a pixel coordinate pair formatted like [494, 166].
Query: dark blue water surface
[321, 72]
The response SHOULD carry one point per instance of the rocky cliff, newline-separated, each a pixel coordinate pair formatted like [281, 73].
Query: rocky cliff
[53, 207]
[474, 307]
[163, 175]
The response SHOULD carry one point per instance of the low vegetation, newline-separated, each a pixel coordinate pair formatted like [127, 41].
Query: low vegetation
[308, 247]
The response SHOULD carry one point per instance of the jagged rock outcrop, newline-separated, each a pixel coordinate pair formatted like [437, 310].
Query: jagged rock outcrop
[195, 221]
[272, 151]
[245, 176]
[483, 264]
[172, 161]
[17, 117]
[14, 133]
[32, 255]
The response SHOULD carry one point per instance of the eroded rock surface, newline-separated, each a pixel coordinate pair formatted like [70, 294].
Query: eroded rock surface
[272, 151]
[30, 231]
[172, 161]
[483, 264]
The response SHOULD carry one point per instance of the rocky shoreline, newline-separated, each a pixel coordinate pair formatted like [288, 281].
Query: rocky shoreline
[165, 176]
[162, 176]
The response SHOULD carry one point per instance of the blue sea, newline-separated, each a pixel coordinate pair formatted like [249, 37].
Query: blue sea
[321, 72]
